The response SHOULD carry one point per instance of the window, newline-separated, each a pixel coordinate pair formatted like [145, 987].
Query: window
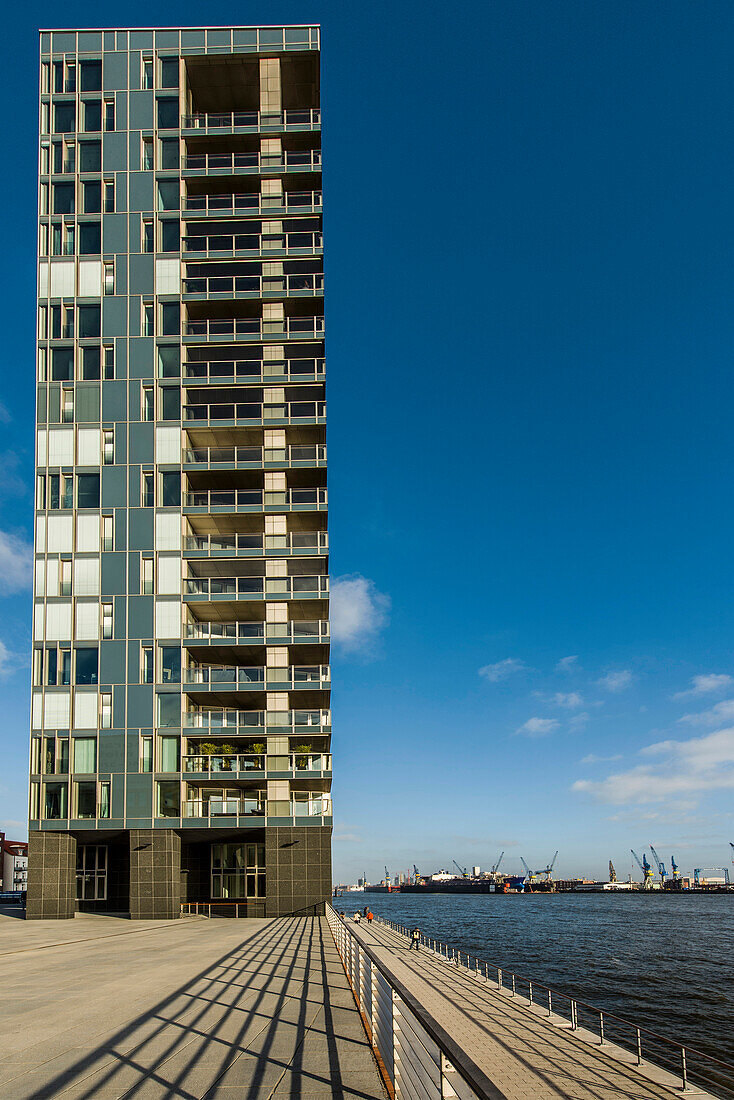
[146, 754]
[109, 196]
[44, 198]
[148, 490]
[106, 710]
[58, 76]
[238, 870]
[169, 798]
[84, 754]
[171, 489]
[167, 113]
[91, 865]
[170, 667]
[168, 153]
[109, 114]
[147, 575]
[64, 118]
[169, 361]
[169, 711]
[45, 77]
[92, 116]
[170, 235]
[148, 237]
[41, 492]
[90, 321]
[147, 153]
[169, 72]
[63, 198]
[148, 405]
[90, 156]
[62, 364]
[109, 278]
[67, 406]
[70, 82]
[171, 402]
[147, 80]
[43, 240]
[107, 533]
[148, 323]
[65, 590]
[104, 800]
[90, 239]
[106, 620]
[55, 801]
[92, 197]
[109, 361]
[168, 195]
[86, 800]
[170, 319]
[90, 364]
[146, 663]
[87, 667]
[90, 76]
[87, 494]
[108, 446]
[69, 162]
[169, 748]
[42, 322]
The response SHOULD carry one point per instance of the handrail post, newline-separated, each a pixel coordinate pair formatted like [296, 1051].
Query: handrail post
[683, 1069]
[639, 1046]
[601, 1029]
[550, 1002]
[574, 1022]
[499, 978]
[530, 992]
[513, 983]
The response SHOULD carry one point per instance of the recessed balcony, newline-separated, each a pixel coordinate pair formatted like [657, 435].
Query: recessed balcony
[240, 371]
[270, 246]
[249, 722]
[210, 589]
[253, 122]
[249, 765]
[252, 163]
[237, 633]
[216, 804]
[217, 287]
[229, 501]
[251, 414]
[294, 456]
[257, 677]
[252, 203]
[292, 544]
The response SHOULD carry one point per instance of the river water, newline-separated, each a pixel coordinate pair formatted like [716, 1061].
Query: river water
[662, 961]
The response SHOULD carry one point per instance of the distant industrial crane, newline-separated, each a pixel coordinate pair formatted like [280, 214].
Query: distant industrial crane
[496, 867]
[645, 868]
[388, 880]
[548, 871]
[676, 872]
[528, 873]
[612, 872]
[661, 866]
[461, 869]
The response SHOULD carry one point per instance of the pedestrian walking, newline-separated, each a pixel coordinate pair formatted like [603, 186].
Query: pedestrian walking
[415, 939]
[370, 916]
[366, 910]
[357, 917]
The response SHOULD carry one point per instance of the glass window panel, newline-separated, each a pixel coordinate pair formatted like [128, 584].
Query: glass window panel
[168, 196]
[90, 363]
[170, 233]
[169, 798]
[169, 361]
[90, 156]
[86, 804]
[92, 116]
[92, 191]
[171, 486]
[171, 404]
[169, 73]
[170, 754]
[169, 153]
[170, 667]
[85, 755]
[62, 364]
[90, 321]
[169, 711]
[64, 118]
[87, 666]
[90, 76]
[63, 199]
[90, 240]
[88, 491]
[167, 113]
[171, 318]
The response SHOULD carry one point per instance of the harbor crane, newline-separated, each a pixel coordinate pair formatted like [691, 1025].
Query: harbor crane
[645, 868]
[548, 871]
[676, 872]
[661, 866]
[388, 880]
[461, 869]
[529, 876]
[612, 872]
[496, 867]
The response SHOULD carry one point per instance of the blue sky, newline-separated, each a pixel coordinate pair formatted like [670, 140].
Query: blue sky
[530, 262]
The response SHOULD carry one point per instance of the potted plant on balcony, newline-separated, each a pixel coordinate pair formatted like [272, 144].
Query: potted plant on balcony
[259, 748]
[302, 760]
[227, 751]
[210, 749]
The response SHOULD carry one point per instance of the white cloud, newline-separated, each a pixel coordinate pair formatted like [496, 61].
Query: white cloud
[16, 563]
[706, 685]
[502, 670]
[538, 727]
[348, 838]
[616, 680]
[685, 767]
[593, 759]
[10, 662]
[578, 721]
[359, 611]
[716, 715]
[570, 700]
[567, 664]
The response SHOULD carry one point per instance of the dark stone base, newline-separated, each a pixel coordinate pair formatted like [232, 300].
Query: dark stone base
[298, 868]
[51, 876]
[155, 874]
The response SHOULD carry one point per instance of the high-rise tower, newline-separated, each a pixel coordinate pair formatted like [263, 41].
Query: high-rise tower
[180, 725]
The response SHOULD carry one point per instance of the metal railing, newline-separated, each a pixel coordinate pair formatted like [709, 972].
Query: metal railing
[691, 1067]
[256, 328]
[247, 633]
[254, 244]
[308, 118]
[250, 677]
[317, 806]
[209, 764]
[258, 588]
[252, 202]
[231, 720]
[249, 908]
[416, 1058]
[295, 453]
[292, 160]
[253, 370]
[295, 542]
[256, 286]
[287, 412]
[244, 499]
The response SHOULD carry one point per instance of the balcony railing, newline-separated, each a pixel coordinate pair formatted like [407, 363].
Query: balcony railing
[296, 454]
[215, 763]
[255, 286]
[308, 118]
[252, 202]
[224, 807]
[290, 412]
[294, 542]
[249, 633]
[249, 720]
[256, 588]
[255, 328]
[292, 160]
[253, 370]
[245, 678]
[253, 244]
[249, 500]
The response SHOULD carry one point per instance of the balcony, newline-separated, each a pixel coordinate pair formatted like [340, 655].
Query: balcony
[255, 500]
[254, 678]
[309, 631]
[255, 415]
[252, 203]
[270, 371]
[254, 122]
[295, 456]
[269, 245]
[298, 764]
[245, 329]
[254, 286]
[225, 806]
[247, 722]
[293, 544]
[292, 160]
[256, 588]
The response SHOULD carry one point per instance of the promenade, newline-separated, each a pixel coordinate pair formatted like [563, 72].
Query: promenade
[99, 1007]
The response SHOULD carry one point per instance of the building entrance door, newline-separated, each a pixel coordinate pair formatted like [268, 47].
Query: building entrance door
[91, 872]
